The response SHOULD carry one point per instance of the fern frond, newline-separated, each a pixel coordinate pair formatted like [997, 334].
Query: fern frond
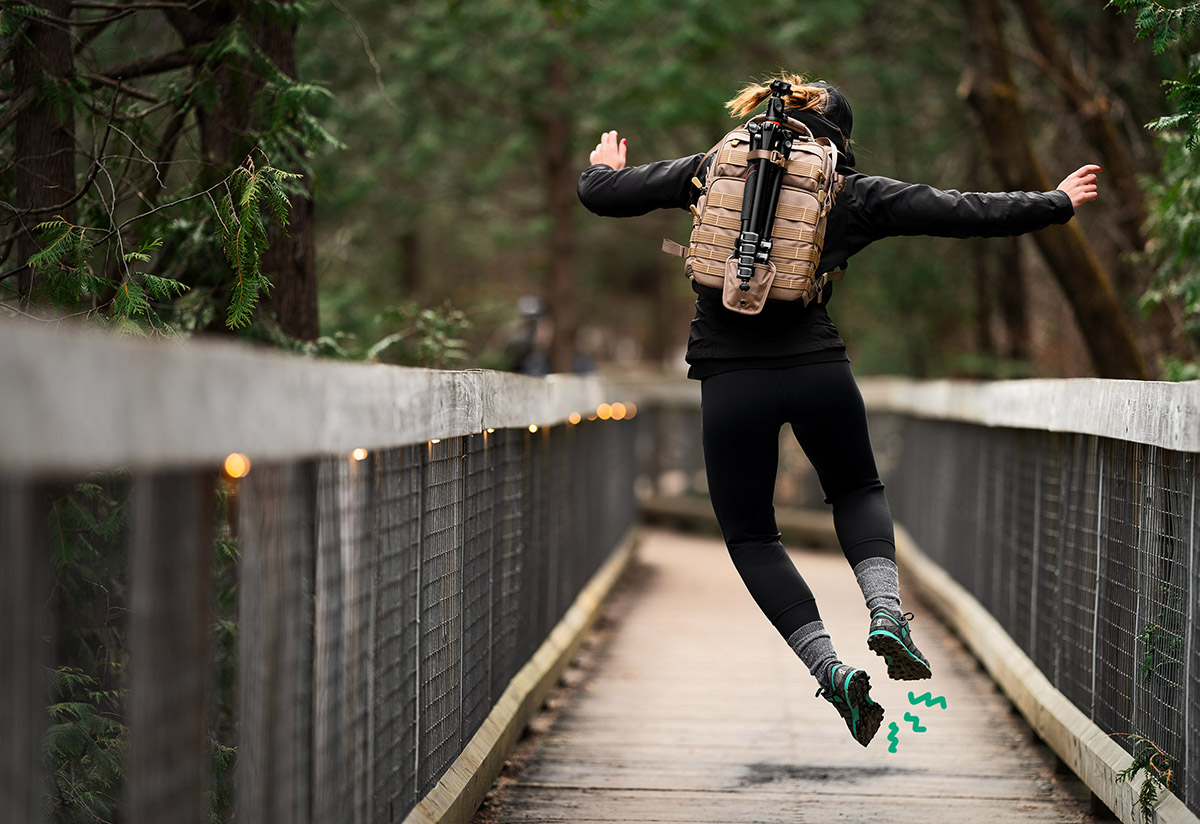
[231, 45]
[163, 288]
[142, 253]
[58, 239]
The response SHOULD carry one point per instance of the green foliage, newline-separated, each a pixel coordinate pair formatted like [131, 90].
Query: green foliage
[1177, 369]
[428, 337]
[224, 637]
[243, 232]
[1166, 26]
[149, 171]
[64, 263]
[1159, 774]
[291, 116]
[1186, 94]
[1161, 647]
[85, 521]
[83, 747]
[1173, 224]
[67, 280]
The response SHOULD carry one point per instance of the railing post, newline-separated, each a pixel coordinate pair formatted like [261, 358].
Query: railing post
[275, 642]
[23, 585]
[170, 583]
[1096, 595]
[330, 767]
[1035, 551]
[1191, 725]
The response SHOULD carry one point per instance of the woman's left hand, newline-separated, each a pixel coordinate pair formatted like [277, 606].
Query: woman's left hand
[1081, 185]
[609, 150]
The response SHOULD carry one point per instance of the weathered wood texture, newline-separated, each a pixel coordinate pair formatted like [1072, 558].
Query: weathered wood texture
[1151, 412]
[24, 578]
[464, 784]
[168, 647]
[278, 530]
[91, 400]
[698, 712]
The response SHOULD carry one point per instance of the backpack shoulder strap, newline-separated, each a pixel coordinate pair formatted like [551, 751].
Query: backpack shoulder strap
[707, 160]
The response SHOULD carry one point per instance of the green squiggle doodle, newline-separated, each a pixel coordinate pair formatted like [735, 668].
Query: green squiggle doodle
[916, 722]
[893, 728]
[927, 699]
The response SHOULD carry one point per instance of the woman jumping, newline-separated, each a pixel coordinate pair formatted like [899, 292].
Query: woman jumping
[787, 364]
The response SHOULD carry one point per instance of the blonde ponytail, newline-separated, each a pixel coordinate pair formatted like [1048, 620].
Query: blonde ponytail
[754, 95]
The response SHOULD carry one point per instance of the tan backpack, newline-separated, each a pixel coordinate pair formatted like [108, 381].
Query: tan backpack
[806, 194]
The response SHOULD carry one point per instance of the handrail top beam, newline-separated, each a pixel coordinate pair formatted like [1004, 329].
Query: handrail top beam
[73, 399]
[1158, 413]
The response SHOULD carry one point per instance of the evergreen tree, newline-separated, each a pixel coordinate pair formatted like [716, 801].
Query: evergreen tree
[127, 228]
[1174, 197]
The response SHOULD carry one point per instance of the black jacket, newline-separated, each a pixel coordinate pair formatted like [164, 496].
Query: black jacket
[868, 209]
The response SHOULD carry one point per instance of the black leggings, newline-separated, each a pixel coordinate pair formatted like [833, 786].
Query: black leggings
[742, 414]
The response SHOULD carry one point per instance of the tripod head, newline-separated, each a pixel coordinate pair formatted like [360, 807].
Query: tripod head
[779, 90]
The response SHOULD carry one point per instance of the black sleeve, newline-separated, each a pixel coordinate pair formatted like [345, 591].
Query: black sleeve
[880, 207]
[636, 190]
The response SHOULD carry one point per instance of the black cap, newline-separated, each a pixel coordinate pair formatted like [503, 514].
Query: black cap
[835, 121]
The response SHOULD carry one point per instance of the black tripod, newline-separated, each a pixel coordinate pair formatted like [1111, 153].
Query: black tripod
[770, 146]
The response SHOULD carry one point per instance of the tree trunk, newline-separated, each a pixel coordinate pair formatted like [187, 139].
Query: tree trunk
[410, 261]
[1094, 113]
[560, 191]
[1011, 299]
[44, 155]
[988, 87]
[1101, 127]
[291, 261]
[223, 128]
[985, 341]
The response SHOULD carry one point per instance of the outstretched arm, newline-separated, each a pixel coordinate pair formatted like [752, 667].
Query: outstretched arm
[609, 188]
[878, 207]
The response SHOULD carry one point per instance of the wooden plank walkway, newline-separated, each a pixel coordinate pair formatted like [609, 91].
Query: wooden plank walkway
[696, 711]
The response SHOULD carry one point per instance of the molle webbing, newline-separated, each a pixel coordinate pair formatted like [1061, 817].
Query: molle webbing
[799, 279]
[788, 275]
[797, 167]
[805, 256]
[784, 211]
[734, 223]
[789, 252]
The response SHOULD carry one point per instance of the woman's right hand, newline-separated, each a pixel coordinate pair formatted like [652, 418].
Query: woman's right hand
[1080, 185]
[609, 150]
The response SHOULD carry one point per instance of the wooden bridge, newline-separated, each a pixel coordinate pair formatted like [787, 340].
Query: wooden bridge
[359, 629]
[695, 711]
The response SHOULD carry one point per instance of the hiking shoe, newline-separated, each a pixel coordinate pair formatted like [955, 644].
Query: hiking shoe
[890, 638]
[850, 695]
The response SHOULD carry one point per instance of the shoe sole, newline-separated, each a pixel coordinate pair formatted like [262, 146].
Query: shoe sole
[870, 714]
[902, 665]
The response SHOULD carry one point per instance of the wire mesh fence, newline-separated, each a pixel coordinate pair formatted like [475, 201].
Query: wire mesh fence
[1085, 549]
[314, 642]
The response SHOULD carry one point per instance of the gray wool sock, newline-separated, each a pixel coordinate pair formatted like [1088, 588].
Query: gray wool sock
[879, 581]
[815, 648]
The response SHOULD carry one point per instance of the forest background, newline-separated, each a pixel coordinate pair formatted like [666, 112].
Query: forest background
[388, 180]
